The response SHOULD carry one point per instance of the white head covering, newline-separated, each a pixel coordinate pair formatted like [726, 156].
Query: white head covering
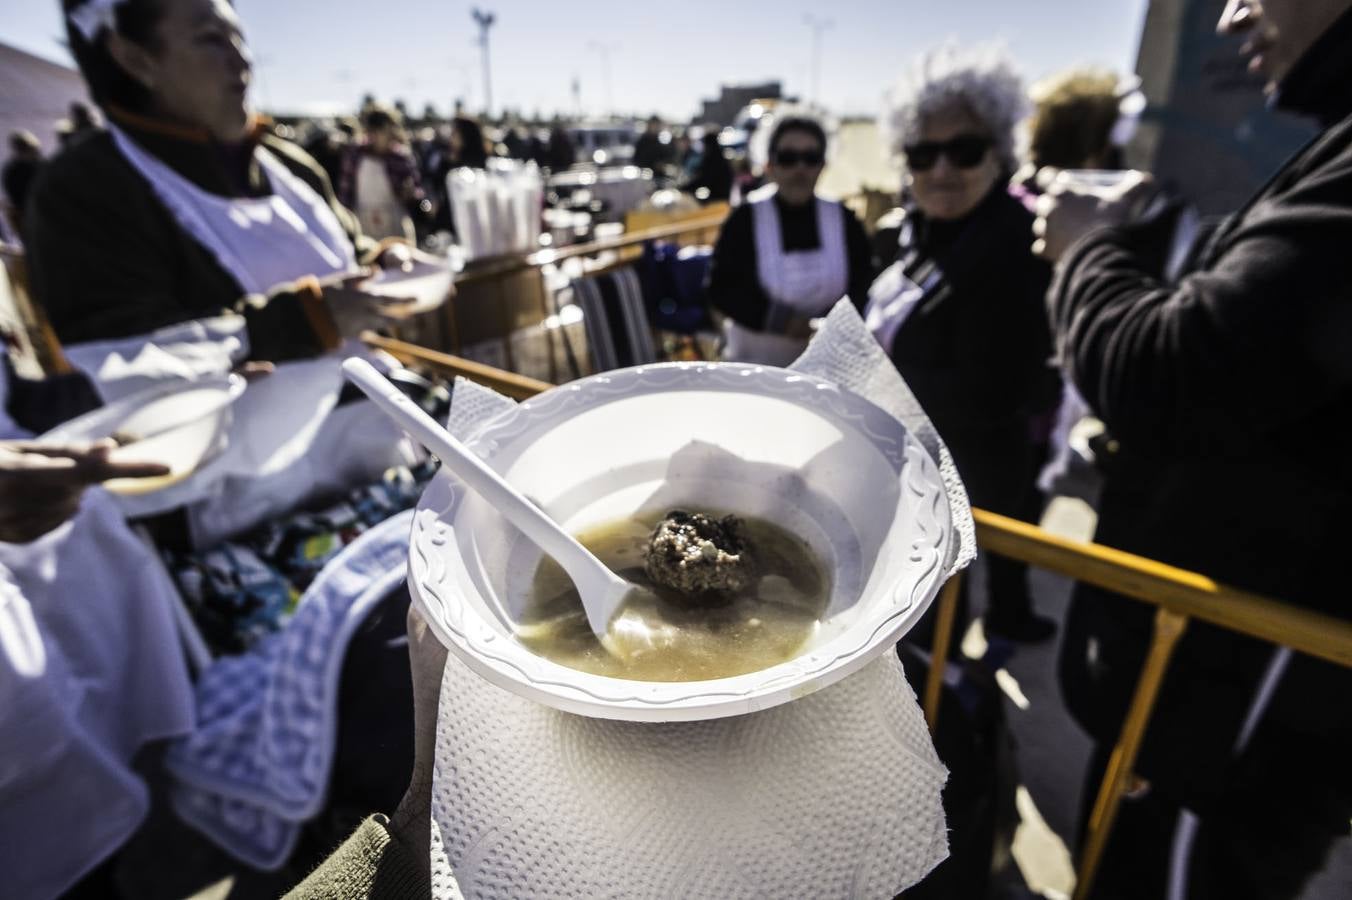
[95, 16]
[758, 147]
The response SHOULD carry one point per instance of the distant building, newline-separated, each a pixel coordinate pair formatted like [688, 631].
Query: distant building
[733, 98]
[1207, 130]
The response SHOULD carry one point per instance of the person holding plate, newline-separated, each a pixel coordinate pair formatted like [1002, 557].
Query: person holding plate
[186, 206]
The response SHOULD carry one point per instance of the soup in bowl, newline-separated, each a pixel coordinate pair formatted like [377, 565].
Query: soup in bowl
[845, 509]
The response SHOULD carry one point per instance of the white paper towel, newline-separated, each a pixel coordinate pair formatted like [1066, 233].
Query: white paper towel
[833, 795]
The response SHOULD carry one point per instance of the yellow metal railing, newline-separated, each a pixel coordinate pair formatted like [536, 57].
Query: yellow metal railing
[511, 265]
[1179, 595]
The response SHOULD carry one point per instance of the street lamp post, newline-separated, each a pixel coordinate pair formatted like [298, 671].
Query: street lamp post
[819, 27]
[485, 21]
[604, 51]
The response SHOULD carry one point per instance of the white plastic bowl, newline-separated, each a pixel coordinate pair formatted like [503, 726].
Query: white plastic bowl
[201, 412]
[820, 461]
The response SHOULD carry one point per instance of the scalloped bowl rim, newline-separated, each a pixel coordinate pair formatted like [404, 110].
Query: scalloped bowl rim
[438, 570]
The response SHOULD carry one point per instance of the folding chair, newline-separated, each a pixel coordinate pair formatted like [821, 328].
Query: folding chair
[29, 340]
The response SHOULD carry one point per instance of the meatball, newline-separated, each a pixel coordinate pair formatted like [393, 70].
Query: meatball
[696, 554]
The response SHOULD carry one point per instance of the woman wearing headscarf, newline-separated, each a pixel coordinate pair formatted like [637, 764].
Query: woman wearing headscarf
[186, 206]
[786, 256]
[380, 181]
[961, 309]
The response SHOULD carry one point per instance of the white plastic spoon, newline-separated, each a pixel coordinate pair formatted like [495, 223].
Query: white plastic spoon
[602, 591]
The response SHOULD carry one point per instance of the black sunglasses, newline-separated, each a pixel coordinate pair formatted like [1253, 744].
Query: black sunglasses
[809, 158]
[966, 151]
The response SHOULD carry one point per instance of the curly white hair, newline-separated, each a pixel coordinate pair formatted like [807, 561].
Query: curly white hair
[982, 78]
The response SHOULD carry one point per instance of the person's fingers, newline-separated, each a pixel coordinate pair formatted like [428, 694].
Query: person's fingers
[410, 822]
[427, 661]
[107, 470]
[1135, 179]
[76, 450]
[22, 474]
[39, 465]
[1137, 193]
[427, 656]
[396, 256]
[356, 278]
[253, 371]
[95, 465]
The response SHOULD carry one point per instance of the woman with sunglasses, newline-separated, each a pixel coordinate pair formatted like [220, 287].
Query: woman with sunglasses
[961, 310]
[786, 256]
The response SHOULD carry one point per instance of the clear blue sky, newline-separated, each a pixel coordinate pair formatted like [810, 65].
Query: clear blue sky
[663, 57]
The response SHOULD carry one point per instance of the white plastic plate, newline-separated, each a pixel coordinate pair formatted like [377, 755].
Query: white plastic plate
[838, 471]
[201, 411]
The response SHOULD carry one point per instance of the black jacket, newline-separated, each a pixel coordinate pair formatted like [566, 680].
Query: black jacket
[108, 260]
[976, 350]
[1230, 395]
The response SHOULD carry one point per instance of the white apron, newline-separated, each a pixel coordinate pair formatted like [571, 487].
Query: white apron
[893, 297]
[263, 242]
[91, 670]
[289, 442]
[805, 283]
[379, 210]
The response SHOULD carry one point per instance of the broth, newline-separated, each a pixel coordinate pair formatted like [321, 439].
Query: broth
[667, 636]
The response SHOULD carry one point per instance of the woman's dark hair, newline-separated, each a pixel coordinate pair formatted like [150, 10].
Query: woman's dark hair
[796, 123]
[473, 148]
[109, 84]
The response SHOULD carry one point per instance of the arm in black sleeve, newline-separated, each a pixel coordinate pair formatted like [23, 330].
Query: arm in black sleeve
[863, 267]
[100, 259]
[1256, 340]
[279, 328]
[734, 287]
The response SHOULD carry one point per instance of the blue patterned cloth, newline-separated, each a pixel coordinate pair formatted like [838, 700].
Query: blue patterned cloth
[257, 766]
[242, 591]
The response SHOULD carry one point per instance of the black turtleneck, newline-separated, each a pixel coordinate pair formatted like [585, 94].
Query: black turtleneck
[1320, 84]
